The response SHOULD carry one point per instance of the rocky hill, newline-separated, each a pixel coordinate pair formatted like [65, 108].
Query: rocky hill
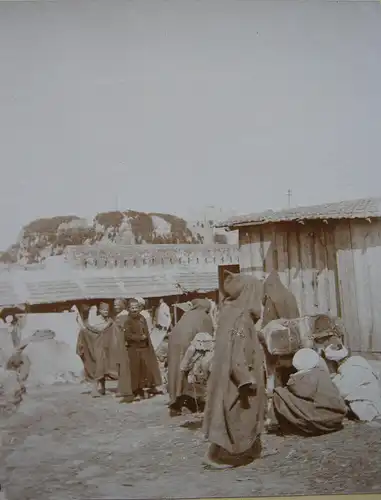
[43, 238]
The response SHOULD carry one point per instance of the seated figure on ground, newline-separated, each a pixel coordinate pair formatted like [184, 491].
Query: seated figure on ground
[310, 403]
[357, 383]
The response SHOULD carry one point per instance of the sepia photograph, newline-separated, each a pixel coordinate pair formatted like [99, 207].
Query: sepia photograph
[190, 248]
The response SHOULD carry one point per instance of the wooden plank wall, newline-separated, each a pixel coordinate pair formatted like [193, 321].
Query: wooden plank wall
[359, 259]
[304, 257]
[331, 268]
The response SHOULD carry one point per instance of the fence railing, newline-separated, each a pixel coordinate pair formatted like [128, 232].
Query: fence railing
[134, 262]
[133, 256]
[142, 256]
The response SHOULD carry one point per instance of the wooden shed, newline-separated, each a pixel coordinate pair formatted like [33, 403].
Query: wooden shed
[328, 255]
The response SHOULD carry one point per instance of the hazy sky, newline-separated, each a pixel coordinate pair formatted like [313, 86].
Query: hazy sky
[170, 105]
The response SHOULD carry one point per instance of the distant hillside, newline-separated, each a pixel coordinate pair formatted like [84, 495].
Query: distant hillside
[46, 237]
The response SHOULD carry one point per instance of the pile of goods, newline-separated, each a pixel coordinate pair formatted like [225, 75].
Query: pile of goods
[283, 337]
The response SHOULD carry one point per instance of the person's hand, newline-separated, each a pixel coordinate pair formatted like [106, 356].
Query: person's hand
[247, 390]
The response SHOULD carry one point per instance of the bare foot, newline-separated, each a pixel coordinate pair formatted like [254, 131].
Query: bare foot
[102, 387]
[153, 391]
[208, 463]
[126, 399]
[95, 393]
[174, 413]
[186, 411]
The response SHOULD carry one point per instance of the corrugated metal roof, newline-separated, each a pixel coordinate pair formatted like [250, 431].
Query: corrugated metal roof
[8, 294]
[64, 290]
[37, 288]
[350, 209]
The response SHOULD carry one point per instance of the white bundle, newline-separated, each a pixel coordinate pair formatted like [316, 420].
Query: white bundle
[52, 362]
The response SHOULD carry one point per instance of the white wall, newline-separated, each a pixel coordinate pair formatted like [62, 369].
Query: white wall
[63, 324]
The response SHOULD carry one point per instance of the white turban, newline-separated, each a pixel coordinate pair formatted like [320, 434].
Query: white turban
[334, 354]
[140, 301]
[305, 359]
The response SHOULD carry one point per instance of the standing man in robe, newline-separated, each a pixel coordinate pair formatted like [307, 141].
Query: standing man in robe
[124, 390]
[144, 312]
[163, 316]
[236, 399]
[161, 324]
[15, 325]
[97, 346]
[145, 371]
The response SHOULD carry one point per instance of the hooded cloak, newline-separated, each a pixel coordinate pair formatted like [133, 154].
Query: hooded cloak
[232, 420]
[99, 352]
[192, 322]
[278, 301]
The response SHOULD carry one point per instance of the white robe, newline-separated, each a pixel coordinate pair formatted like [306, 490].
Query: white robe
[360, 386]
[163, 316]
[148, 318]
[213, 313]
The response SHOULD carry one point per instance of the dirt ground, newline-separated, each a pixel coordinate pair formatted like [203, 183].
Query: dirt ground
[62, 444]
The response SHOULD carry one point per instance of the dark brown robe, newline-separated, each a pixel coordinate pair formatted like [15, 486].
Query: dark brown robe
[144, 366]
[310, 404]
[233, 421]
[99, 352]
[278, 301]
[123, 361]
[192, 322]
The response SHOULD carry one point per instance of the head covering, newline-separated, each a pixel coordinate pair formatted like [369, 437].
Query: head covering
[245, 290]
[202, 304]
[140, 301]
[305, 359]
[122, 302]
[336, 353]
[278, 300]
[203, 341]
